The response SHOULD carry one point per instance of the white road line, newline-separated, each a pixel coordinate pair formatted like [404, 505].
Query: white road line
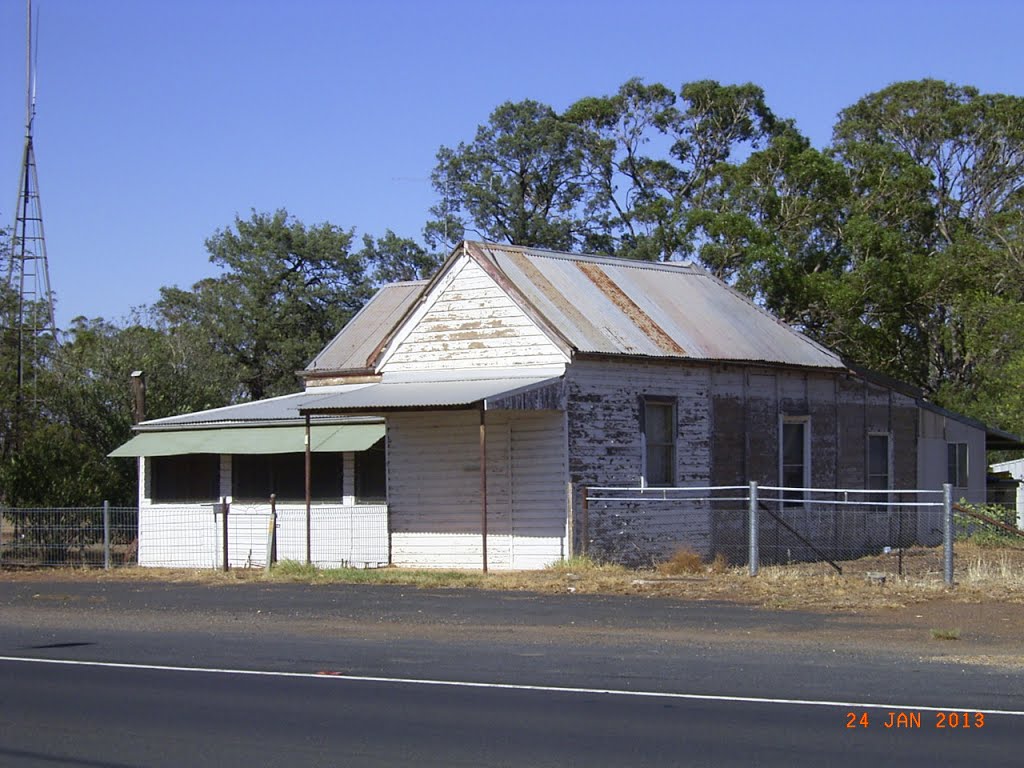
[341, 677]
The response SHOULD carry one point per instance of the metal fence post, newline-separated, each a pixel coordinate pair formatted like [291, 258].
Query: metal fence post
[947, 534]
[755, 556]
[585, 522]
[106, 534]
[272, 533]
[224, 531]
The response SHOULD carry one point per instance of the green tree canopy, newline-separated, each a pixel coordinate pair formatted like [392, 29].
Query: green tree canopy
[519, 181]
[285, 291]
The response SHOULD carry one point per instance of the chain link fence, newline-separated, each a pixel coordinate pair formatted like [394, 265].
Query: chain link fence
[764, 525]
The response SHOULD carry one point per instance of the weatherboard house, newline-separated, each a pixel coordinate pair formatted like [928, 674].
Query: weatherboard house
[461, 417]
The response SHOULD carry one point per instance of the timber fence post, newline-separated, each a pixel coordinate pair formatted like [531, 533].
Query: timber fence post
[947, 534]
[754, 554]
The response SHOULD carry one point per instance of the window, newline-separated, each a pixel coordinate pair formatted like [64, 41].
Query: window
[956, 454]
[878, 462]
[193, 477]
[371, 475]
[794, 457]
[658, 425]
[254, 476]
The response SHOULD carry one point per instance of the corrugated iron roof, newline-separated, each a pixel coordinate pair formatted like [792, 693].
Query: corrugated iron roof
[436, 389]
[273, 410]
[677, 310]
[351, 349]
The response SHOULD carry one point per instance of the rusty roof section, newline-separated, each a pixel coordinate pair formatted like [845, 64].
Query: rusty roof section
[630, 309]
[354, 347]
[595, 305]
[669, 310]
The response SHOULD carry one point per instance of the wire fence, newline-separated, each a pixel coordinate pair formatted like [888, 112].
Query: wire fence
[59, 536]
[195, 536]
[763, 525]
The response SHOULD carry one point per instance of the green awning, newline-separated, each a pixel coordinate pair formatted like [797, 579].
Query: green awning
[325, 439]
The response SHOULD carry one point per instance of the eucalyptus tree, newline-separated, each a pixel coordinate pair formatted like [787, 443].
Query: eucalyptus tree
[935, 225]
[520, 181]
[285, 290]
[656, 161]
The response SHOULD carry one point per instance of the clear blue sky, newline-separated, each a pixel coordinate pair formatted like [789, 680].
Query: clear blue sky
[159, 120]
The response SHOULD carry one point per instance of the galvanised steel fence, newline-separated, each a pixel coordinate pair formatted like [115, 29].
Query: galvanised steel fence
[761, 525]
[195, 536]
[95, 537]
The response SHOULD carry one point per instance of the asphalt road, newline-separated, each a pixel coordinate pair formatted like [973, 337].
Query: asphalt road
[654, 682]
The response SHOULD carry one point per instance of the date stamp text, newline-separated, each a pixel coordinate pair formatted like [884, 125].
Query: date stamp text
[958, 720]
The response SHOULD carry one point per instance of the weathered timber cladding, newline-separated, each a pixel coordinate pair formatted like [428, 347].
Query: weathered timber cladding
[730, 449]
[434, 489]
[821, 407]
[853, 431]
[748, 406]
[762, 417]
[472, 323]
[605, 448]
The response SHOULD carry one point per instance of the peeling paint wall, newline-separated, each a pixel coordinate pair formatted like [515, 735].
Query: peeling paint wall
[472, 323]
[728, 433]
[842, 411]
[605, 448]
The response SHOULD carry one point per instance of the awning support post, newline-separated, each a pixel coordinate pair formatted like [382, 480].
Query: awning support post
[483, 482]
[309, 494]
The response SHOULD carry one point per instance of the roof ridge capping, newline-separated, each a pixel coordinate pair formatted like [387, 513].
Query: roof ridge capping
[618, 261]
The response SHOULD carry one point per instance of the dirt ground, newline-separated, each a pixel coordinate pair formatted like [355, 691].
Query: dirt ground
[891, 601]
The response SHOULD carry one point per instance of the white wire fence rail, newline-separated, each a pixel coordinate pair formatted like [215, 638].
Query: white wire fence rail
[761, 525]
[219, 535]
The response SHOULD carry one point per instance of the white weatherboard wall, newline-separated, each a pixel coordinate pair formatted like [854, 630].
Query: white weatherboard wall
[342, 533]
[434, 489]
[470, 322]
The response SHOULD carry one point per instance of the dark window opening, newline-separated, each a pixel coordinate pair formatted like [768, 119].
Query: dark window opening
[190, 478]
[794, 461]
[371, 475]
[956, 471]
[659, 434]
[878, 462]
[254, 476]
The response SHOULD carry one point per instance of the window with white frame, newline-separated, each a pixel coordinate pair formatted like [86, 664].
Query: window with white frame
[879, 462]
[658, 425]
[795, 457]
[956, 463]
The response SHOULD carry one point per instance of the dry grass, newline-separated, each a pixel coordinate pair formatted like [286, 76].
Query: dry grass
[682, 561]
[983, 574]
